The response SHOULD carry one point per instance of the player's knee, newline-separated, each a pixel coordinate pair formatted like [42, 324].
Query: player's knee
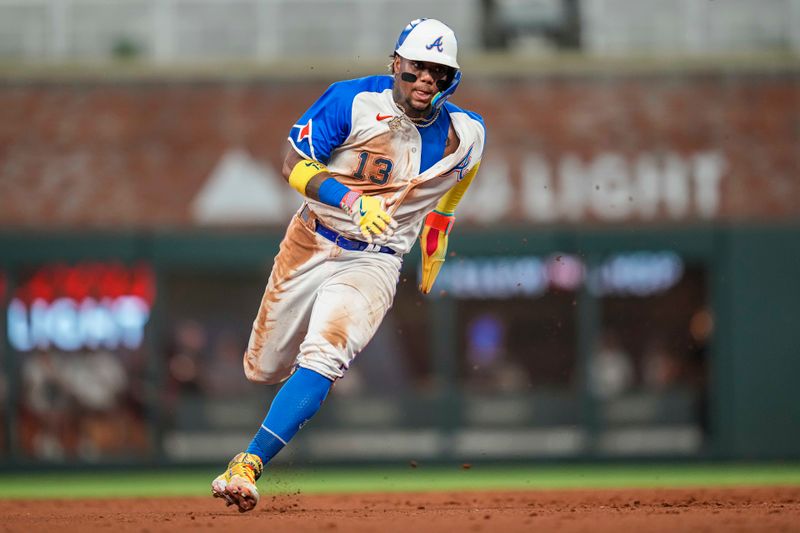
[259, 372]
[266, 378]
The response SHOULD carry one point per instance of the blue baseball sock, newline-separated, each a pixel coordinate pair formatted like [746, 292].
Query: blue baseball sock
[298, 400]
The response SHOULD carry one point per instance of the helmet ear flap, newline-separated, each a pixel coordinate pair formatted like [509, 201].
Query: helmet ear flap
[442, 85]
[441, 97]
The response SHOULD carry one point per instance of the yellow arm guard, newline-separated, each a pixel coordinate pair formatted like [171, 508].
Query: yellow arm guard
[303, 172]
[447, 205]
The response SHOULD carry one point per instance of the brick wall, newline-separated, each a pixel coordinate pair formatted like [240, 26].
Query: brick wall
[561, 148]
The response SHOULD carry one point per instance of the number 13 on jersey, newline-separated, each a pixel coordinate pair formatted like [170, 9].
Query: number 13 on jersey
[382, 166]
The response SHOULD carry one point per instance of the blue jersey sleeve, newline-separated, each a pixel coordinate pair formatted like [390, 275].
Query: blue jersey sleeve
[326, 124]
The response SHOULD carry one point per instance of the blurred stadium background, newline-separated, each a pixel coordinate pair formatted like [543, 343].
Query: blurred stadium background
[623, 276]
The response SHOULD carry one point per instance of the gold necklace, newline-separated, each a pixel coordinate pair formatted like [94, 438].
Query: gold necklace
[394, 124]
[418, 122]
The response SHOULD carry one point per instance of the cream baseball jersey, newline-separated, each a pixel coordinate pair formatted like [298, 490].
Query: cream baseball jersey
[362, 136]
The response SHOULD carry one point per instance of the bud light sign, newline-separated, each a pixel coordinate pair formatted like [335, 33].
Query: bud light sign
[85, 306]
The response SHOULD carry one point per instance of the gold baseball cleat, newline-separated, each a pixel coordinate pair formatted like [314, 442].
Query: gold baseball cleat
[237, 485]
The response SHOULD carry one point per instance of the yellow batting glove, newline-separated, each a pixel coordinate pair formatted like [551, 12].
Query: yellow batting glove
[433, 244]
[369, 214]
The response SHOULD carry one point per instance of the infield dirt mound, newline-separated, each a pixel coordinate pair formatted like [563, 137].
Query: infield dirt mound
[737, 509]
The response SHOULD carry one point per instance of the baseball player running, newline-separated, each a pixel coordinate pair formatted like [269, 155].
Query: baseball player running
[377, 159]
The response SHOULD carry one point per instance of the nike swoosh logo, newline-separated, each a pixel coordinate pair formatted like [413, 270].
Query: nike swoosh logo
[361, 211]
[380, 117]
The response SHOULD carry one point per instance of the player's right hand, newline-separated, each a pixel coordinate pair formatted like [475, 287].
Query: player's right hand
[369, 214]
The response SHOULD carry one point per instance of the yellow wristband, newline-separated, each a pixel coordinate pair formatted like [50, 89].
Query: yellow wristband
[303, 172]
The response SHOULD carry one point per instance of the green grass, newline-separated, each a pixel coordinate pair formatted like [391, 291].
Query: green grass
[284, 480]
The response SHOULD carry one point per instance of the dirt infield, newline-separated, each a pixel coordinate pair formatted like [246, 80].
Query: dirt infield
[737, 509]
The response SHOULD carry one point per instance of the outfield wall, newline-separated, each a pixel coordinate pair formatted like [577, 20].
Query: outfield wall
[414, 394]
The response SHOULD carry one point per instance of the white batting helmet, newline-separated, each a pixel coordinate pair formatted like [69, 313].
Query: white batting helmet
[428, 40]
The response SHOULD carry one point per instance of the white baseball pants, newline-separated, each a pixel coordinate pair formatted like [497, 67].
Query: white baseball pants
[321, 306]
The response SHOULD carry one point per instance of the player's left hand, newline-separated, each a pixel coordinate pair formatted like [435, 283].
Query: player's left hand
[433, 244]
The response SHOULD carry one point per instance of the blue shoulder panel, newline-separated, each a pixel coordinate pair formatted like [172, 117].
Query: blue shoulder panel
[434, 138]
[327, 122]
